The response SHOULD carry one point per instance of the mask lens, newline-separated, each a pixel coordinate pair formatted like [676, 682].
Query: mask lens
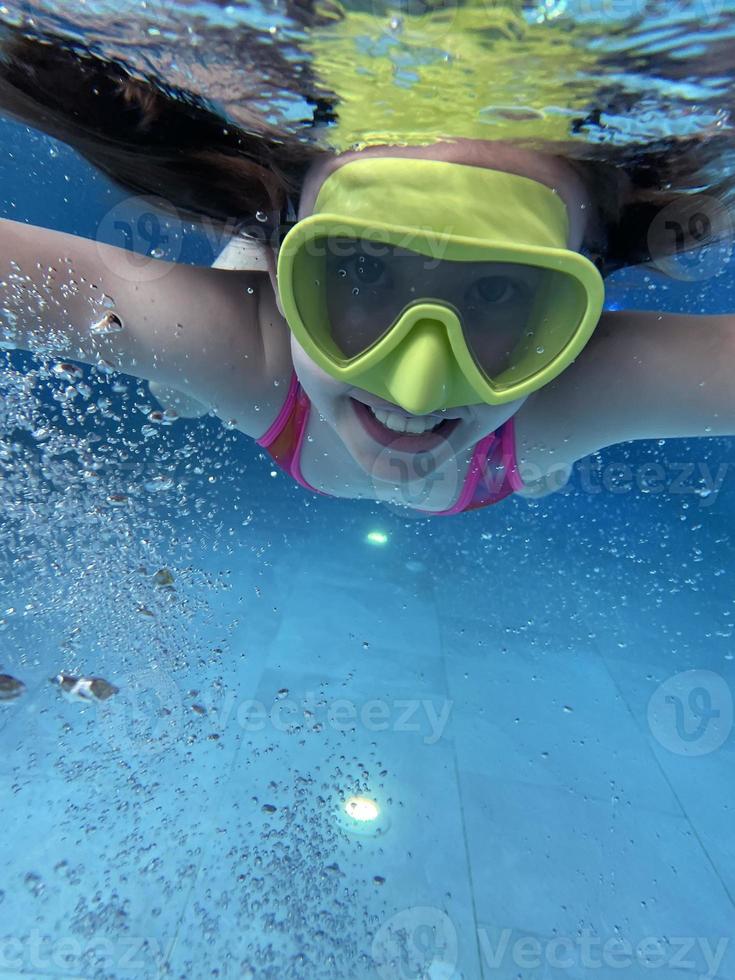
[496, 301]
[365, 292]
[515, 317]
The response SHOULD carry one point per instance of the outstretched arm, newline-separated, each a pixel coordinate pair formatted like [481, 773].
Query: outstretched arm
[212, 334]
[644, 375]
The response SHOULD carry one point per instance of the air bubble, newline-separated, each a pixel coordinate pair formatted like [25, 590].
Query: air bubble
[109, 324]
[67, 372]
[117, 499]
[163, 418]
[158, 484]
[34, 884]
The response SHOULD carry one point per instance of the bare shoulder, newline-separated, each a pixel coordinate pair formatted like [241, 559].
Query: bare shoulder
[277, 360]
[239, 356]
[643, 375]
[242, 256]
[221, 341]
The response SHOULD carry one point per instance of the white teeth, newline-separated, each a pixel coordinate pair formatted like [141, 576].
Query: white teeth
[399, 423]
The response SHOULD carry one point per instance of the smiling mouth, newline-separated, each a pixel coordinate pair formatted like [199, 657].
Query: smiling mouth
[407, 433]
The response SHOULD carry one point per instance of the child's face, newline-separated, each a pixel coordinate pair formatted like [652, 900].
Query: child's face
[342, 405]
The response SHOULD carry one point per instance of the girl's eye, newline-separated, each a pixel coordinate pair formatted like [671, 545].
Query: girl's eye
[495, 290]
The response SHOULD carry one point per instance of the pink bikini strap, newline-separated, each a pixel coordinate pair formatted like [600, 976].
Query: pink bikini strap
[474, 472]
[508, 448]
[275, 429]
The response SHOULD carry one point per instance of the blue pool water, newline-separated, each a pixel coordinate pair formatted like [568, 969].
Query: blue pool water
[537, 697]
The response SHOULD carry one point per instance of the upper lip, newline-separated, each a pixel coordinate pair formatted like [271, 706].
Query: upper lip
[375, 402]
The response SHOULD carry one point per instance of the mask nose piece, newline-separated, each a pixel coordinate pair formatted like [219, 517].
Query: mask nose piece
[418, 376]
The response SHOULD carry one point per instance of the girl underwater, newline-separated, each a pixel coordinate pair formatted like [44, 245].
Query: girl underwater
[421, 325]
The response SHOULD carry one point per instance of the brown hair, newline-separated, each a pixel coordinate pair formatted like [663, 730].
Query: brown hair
[656, 200]
[154, 139]
[150, 138]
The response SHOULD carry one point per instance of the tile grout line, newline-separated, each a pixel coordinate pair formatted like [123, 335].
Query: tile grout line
[668, 782]
[461, 800]
[469, 865]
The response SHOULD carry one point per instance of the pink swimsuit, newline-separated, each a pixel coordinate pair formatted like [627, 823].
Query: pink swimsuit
[492, 474]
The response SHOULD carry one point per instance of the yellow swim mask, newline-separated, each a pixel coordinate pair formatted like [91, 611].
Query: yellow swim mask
[435, 284]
